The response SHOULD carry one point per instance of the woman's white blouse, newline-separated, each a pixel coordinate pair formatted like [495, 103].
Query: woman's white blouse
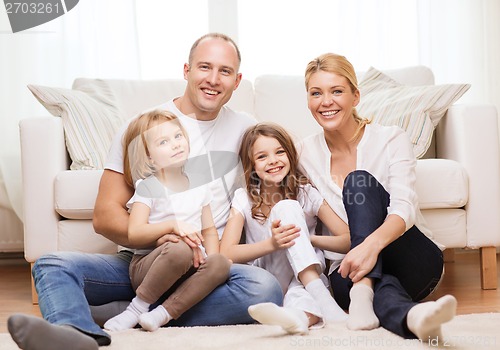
[386, 153]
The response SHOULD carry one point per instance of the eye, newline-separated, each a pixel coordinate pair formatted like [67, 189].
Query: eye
[261, 156]
[179, 136]
[337, 92]
[281, 151]
[163, 142]
[226, 71]
[314, 93]
[204, 67]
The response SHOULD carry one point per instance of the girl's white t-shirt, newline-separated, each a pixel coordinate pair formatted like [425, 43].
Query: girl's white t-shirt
[213, 157]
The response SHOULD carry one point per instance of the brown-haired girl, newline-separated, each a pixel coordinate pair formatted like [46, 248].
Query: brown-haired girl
[276, 191]
[156, 148]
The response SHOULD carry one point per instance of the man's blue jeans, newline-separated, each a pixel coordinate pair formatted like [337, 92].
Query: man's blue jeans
[407, 270]
[68, 282]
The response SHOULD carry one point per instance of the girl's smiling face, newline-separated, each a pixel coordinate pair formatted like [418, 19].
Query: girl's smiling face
[270, 160]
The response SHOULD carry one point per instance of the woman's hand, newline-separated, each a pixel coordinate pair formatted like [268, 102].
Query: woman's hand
[358, 262]
[283, 236]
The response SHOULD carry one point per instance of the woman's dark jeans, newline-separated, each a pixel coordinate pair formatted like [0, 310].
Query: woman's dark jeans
[407, 270]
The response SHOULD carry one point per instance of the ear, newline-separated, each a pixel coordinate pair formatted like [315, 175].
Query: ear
[238, 81]
[357, 98]
[186, 70]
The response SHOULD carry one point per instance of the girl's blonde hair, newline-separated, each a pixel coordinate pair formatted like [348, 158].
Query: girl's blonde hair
[339, 65]
[136, 159]
[290, 184]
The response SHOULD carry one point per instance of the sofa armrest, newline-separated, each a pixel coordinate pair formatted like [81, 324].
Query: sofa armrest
[43, 156]
[469, 134]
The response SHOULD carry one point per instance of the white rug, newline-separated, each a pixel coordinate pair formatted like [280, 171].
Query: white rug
[474, 331]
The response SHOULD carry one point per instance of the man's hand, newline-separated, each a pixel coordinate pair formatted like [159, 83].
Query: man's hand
[283, 236]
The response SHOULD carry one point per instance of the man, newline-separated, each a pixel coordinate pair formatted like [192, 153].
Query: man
[68, 282]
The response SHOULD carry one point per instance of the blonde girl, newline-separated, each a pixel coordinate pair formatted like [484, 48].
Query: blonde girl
[277, 192]
[156, 148]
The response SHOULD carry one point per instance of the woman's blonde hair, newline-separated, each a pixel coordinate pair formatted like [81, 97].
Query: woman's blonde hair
[339, 65]
[290, 184]
[136, 161]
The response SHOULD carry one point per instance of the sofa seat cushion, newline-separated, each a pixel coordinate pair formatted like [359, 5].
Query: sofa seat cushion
[448, 226]
[441, 183]
[75, 192]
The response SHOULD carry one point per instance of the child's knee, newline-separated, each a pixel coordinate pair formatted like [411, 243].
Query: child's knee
[219, 267]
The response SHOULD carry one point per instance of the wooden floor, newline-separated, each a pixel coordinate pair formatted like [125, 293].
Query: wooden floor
[461, 279]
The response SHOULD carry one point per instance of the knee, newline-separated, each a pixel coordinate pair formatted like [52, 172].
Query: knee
[266, 286]
[49, 262]
[359, 186]
[177, 255]
[219, 267]
[287, 205]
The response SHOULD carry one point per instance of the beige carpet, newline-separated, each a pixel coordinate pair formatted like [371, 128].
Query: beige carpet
[475, 331]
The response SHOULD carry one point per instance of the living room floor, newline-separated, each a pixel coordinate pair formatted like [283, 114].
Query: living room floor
[462, 279]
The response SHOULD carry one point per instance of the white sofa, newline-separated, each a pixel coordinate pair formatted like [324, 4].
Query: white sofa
[458, 184]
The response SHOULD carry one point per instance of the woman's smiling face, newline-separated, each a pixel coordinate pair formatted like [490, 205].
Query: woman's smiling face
[331, 100]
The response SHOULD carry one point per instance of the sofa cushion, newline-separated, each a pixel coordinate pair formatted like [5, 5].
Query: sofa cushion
[90, 119]
[441, 183]
[75, 192]
[416, 109]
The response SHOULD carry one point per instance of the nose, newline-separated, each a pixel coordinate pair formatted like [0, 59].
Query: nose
[213, 77]
[327, 100]
[272, 159]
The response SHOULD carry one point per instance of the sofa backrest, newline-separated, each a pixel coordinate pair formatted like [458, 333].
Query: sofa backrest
[283, 99]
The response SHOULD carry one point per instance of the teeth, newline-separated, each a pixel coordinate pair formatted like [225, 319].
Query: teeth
[274, 170]
[210, 92]
[329, 113]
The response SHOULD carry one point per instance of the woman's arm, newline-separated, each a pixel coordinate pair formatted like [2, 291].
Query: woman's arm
[230, 243]
[340, 241]
[361, 259]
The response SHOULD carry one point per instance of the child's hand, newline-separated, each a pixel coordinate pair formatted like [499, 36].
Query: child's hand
[184, 229]
[283, 236]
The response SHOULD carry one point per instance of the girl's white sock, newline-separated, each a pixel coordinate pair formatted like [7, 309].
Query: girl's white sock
[291, 320]
[331, 311]
[154, 319]
[128, 318]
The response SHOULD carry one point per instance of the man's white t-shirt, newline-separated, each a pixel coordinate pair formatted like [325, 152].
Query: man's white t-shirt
[213, 155]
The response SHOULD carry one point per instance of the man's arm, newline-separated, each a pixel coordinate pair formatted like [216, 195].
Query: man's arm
[110, 214]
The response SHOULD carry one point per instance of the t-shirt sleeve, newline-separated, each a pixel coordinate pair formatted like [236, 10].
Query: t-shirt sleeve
[140, 195]
[240, 201]
[312, 200]
[114, 160]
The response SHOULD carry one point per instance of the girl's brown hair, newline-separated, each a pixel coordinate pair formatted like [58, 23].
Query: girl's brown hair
[136, 162]
[339, 65]
[290, 184]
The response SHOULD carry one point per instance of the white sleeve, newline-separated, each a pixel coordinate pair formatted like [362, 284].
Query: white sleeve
[114, 160]
[402, 179]
[310, 199]
[240, 201]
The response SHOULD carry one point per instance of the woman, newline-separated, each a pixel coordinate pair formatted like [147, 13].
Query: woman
[366, 172]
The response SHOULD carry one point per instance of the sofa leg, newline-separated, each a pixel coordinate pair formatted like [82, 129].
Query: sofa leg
[488, 257]
[34, 294]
